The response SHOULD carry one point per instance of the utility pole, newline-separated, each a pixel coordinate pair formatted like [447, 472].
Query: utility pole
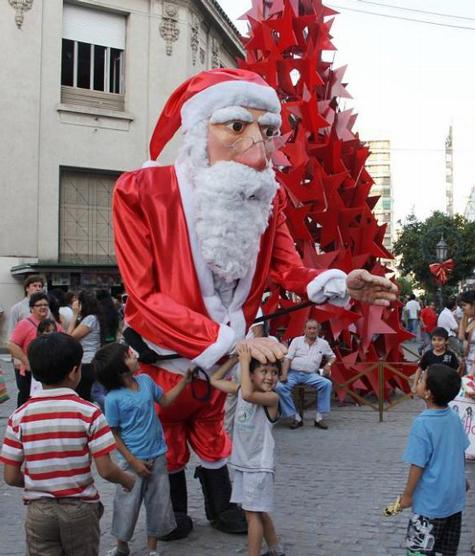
[449, 175]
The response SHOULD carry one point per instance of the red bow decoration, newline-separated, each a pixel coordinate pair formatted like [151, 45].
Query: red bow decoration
[441, 271]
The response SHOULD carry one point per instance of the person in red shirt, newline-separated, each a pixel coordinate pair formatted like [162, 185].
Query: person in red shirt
[428, 318]
[21, 337]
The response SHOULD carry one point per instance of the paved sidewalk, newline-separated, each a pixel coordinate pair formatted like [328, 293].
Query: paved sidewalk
[330, 489]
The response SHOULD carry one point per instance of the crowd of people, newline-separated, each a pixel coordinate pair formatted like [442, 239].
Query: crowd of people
[456, 317]
[92, 318]
[80, 390]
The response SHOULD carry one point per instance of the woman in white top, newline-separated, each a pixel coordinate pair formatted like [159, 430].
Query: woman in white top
[87, 327]
[467, 329]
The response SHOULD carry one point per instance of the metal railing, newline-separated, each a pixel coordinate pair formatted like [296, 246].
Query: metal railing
[381, 367]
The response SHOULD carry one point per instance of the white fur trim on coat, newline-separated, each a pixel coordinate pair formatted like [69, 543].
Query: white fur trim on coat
[329, 287]
[230, 93]
[216, 310]
[223, 345]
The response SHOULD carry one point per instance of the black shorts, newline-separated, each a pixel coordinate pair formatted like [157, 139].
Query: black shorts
[426, 536]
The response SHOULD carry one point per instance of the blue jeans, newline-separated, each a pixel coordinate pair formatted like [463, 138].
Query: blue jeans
[322, 384]
[412, 326]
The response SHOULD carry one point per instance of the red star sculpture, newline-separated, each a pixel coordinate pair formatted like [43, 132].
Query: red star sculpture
[322, 168]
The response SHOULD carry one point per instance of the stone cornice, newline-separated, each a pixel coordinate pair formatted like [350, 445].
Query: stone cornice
[224, 23]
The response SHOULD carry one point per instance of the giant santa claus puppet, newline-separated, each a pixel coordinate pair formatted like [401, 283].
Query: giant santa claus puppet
[196, 244]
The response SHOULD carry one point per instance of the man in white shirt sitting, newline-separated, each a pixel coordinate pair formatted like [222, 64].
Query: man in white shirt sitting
[301, 366]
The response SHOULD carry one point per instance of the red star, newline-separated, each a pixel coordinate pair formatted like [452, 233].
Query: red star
[282, 28]
[296, 218]
[371, 324]
[338, 88]
[342, 125]
[307, 111]
[260, 38]
[305, 191]
[296, 151]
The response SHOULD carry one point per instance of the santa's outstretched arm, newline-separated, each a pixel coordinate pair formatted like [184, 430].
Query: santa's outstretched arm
[322, 286]
[153, 314]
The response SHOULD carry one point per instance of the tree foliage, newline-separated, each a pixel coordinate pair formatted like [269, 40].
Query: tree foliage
[416, 247]
[406, 286]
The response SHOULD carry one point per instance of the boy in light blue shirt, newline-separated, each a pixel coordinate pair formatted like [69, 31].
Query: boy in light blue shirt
[435, 450]
[130, 412]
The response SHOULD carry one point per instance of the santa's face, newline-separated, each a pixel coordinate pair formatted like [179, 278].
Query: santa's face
[243, 135]
[234, 186]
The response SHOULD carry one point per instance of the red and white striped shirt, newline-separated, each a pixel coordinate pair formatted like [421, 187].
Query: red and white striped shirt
[55, 434]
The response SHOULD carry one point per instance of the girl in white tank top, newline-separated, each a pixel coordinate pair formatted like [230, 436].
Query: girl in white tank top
[253, 445]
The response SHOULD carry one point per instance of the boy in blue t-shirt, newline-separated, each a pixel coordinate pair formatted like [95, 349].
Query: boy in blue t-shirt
[435, 450]
[130, 412]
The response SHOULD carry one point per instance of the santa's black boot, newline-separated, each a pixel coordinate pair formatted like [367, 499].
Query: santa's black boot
[179, 497]
[222, 514]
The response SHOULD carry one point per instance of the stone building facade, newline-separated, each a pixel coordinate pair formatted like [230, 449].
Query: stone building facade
[83, 83]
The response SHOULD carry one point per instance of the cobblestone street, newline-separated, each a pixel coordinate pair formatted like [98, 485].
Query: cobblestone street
[331, 487]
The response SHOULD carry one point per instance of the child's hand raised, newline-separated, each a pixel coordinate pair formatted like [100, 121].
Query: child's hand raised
[244, 352]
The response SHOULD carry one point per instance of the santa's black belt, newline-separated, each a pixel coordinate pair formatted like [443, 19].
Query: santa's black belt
[150, 356]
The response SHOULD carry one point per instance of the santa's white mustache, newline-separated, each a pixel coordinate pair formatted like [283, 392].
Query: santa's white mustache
[233, 180]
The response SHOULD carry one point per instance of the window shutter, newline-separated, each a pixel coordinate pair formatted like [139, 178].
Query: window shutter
[93, 26]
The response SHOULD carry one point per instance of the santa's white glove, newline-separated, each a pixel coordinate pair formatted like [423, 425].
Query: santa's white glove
[329, 287]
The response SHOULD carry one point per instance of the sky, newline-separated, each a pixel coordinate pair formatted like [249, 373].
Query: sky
[410, 81]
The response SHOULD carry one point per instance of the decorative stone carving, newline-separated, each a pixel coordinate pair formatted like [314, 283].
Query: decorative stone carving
[20, 7]
[195, 41]
[202, 55]
[168, 27]
[214, 53]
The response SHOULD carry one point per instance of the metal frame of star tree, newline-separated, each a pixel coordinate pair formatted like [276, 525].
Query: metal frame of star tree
[321, 165]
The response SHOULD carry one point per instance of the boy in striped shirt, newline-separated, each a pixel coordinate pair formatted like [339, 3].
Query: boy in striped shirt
[48, 446]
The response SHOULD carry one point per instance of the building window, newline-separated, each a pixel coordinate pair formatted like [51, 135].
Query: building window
[379, 169]
[85, 217]
[92, 62]
[91, 66]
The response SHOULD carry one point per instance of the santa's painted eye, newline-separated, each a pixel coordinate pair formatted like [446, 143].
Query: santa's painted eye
[270, 131]
[237, 126]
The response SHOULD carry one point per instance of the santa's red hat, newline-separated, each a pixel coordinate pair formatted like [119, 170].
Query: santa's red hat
[198, 97]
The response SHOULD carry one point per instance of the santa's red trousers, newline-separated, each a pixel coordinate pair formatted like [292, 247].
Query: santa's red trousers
[190, 422]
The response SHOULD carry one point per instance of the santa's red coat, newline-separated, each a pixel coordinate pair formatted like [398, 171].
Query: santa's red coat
[165, 302]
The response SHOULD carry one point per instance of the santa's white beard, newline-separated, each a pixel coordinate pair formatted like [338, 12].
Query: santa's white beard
[232, 207]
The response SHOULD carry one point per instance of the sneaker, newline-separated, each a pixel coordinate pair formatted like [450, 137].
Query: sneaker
[116, 551]
[322, 424]
[296, 424]
[154, 553]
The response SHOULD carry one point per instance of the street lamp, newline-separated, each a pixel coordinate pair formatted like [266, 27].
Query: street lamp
[441, 250]
[441, 254]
